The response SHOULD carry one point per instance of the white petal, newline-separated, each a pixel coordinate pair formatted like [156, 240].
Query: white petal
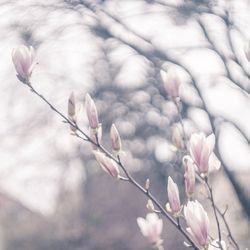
[214, 163]
[211, 142]
[152, 217]
[142, 223]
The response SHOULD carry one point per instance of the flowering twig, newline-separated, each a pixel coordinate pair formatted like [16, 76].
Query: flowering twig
[128, 177]
[215, 207]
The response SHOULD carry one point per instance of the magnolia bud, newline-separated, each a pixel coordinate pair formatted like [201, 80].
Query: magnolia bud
[150, 206]
[173, 197]
[91, 112]
[189, 175]
[151, 227]
[201, 148]
[107, 164]
[115, 139]
[197, 221]
[171, 82]
[71, 106]
[177, 136]
[23, 59]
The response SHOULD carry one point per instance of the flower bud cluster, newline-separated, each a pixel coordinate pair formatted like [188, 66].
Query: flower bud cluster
[171, 82]
[107, 164]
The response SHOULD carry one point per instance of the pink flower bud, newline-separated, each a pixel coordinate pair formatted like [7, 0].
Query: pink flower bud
[115, 139]
[177, 136]
[91, 112]
[197, 221]
[151, 227]
[201, 148]
[189, 175]
[247, 51]
[173, 197]
[171, 82]
[107, 164]
[95, 136]
[23, 59]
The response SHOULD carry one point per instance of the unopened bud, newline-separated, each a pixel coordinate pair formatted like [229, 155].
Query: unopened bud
[150, 206]
[115, 139]
[173, 197]
[23, 59]
[72, 110]
[171, 82]
[71, 106]
[201, 148]
[197, 222]
[177, 136]
[91, 112]
[107, 164]
[189, 175]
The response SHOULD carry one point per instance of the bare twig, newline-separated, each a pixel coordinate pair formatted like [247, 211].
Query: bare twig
[214, 207]
[230, 236]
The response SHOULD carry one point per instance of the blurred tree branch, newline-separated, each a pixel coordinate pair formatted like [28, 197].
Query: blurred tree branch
[157, 57]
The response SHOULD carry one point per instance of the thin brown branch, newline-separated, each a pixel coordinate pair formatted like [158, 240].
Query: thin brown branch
[214, 208]
[230, 236]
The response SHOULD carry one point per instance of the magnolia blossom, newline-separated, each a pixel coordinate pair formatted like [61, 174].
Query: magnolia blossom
[215, 245]
[197, 221]
[107, 164]
[171, 82]
[247, 50]
[201, 148]
[151, 227]
[91, 112]
[95, 136]
[189, 175]
[174, 204]
[115, 139]
[23, 59]
[177, 136]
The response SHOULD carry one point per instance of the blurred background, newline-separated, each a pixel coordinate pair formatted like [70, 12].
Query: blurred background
[53, 195]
